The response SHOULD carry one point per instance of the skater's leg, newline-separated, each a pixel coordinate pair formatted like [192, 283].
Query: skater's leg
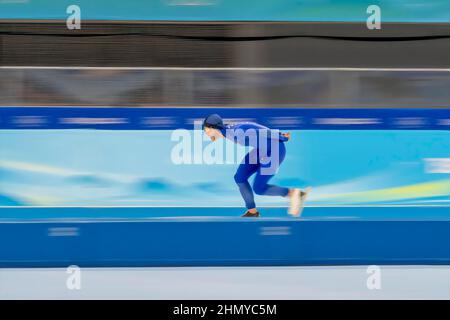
[244, 171]
[261, 185]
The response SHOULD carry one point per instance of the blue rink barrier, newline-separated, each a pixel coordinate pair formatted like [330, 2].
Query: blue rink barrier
[139, 118]
[42, 240]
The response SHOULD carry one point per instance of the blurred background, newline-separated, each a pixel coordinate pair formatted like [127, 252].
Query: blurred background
[88, 113]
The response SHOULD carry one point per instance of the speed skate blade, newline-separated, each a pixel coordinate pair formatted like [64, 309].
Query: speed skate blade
[295, 200]
[302, 200]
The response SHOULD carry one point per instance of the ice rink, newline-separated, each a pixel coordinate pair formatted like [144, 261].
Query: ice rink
[346, 282]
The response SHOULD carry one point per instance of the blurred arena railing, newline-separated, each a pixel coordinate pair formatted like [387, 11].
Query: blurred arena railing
[225, 87]
[224, 44]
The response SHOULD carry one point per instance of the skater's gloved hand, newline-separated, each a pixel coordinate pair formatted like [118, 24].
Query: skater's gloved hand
[287, 135]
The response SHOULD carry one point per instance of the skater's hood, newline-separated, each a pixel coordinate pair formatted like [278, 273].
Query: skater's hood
[214, 121]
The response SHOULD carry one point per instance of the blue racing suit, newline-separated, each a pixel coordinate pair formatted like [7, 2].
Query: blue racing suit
[264, 159]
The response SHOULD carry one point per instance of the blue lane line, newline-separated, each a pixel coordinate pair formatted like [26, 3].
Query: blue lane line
[420, 213]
